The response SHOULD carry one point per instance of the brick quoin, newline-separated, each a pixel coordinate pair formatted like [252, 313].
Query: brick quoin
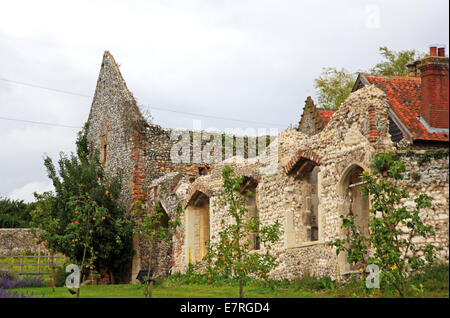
[138, 178]
[373, 131]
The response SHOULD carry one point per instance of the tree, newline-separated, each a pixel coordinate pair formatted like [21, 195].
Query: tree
[152, 227]
[230, 256]
[333, 87]
[395, 63]
[15, 213]
[81, 219]
[392, 226]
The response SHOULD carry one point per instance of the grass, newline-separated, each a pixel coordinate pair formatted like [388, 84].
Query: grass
[434, 283]
[225, 291]
[165, 291]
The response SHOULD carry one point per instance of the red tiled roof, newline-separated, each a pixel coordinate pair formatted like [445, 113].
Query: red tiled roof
[325, 114]
[403, 94]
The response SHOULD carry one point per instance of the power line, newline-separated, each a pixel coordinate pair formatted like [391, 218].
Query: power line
[156, 108]
[44, 87]
[39, 122]
[215, 117]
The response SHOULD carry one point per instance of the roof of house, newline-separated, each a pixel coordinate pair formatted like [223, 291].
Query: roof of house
[404, 97]
[325, 114]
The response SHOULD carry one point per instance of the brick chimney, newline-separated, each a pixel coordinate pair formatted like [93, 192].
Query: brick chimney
[434, 88]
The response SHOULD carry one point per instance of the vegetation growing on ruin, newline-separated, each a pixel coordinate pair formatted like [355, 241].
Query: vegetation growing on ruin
[392, 227]
[230, 257]
[424, 157]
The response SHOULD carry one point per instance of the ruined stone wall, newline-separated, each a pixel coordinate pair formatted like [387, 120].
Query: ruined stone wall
[431, 178]
[18, 241]
[141, 153]
[355, 133]
[113, 115]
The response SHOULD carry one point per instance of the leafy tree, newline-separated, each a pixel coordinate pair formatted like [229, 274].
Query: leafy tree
[15, 213]
[395, 62]
[231, 256]
[392, 227]
[152, 227]
[81, 219]
[333, 86]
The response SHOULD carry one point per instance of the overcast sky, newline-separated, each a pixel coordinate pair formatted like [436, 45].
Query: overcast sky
[252, 60]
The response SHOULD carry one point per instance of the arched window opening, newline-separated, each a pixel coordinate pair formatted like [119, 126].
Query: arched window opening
[164, 221]
[197, 227]
[249, 191]
[312, 206]
[354, 204]
[104, 149]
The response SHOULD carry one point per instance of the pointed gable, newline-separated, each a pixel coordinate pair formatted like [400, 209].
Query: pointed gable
[313, 119]
[111, 90]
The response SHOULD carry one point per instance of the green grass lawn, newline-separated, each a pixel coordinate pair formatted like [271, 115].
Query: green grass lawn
[432, 283]
[183, 291]
[208, 291]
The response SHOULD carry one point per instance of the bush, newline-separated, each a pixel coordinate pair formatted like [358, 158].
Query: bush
[60, 276]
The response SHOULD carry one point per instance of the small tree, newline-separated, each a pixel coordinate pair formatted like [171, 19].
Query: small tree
[230, 256]
[149, 226]
[82, 219]
[392, 226]
[333, 87]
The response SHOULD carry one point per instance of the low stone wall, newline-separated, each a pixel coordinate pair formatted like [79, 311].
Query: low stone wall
[17, 241]
[315, 259]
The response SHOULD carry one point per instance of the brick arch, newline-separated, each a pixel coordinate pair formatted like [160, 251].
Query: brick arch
[304, 160]
[193, 190]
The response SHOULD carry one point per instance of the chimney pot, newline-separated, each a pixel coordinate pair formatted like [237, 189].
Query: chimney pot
[441, 51]
[433, 50]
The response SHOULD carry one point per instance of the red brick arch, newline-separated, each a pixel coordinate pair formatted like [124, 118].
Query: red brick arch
[303, 159]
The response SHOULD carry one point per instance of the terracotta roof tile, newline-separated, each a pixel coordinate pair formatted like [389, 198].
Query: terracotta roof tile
[404, 97]
[325, 114]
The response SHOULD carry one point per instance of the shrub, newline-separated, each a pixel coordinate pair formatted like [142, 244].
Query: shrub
[60, 276]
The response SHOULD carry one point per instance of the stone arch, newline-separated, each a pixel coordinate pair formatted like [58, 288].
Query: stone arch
[352, 203]
[197, 226]
[193, 191]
